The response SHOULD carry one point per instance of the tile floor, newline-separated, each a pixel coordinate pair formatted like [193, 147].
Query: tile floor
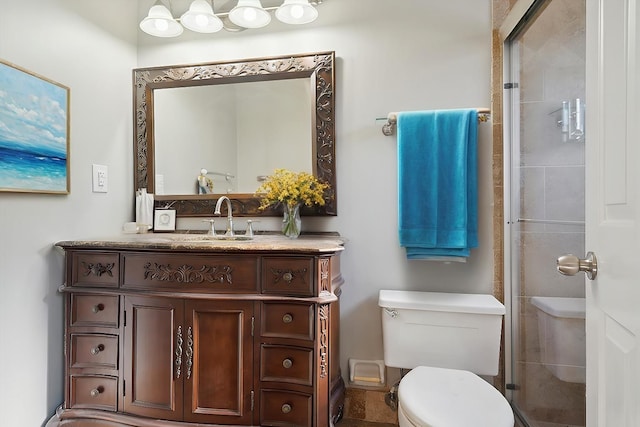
[367, 408]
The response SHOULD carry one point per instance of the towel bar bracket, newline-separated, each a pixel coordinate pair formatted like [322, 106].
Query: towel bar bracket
[389, 128]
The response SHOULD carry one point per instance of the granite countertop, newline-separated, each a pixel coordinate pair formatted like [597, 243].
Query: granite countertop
[305, 243]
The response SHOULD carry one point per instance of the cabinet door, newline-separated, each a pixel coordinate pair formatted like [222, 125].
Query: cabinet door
[153, 357]
[219, 362]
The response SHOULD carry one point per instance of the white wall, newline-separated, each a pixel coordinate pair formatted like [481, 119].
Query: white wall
[89, 47]
[189, 138]
[266, 147]
[411, 56]
[418, 55]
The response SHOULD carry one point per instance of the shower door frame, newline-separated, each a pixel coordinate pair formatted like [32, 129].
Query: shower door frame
[511, 144]
[522, 15]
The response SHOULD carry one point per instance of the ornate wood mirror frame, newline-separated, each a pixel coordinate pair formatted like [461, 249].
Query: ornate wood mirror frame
[318, 67]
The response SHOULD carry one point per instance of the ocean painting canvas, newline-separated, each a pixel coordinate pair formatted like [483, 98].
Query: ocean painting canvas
[34, 132]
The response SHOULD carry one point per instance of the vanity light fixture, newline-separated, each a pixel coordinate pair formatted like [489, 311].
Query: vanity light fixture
[200, 18]
[246, 14]
[160, 23]
[296, 12]
[249, 14]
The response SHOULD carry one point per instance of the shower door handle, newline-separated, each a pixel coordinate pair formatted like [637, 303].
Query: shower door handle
[570, 265]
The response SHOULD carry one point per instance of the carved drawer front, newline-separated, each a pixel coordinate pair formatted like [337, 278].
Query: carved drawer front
[191, 272]
[94, 351]
[286, 364]
[287, 320]
[288, 276]
[98, 269]
[93, 391]
[285, 408]
[94, 310]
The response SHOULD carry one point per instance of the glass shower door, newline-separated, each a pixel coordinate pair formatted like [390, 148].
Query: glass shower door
[545, 217]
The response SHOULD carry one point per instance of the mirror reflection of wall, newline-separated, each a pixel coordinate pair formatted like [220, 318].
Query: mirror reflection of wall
[245, 130]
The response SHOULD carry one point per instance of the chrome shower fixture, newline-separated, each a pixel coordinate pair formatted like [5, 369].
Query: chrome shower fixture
[571, 122]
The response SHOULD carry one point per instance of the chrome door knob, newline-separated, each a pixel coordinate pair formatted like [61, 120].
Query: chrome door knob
[570, 265]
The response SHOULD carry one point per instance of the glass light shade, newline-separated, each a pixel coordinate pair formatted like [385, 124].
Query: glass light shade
[200, 18]
[160, 23]
[249, 14]
[296, 12]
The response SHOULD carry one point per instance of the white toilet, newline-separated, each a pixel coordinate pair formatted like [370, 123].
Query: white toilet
[447, 340]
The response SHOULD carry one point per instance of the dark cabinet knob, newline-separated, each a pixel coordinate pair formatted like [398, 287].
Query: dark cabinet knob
[97, 308]
[97, 349]
[96, 391]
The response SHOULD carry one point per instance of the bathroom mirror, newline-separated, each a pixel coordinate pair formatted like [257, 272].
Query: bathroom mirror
[190, 117]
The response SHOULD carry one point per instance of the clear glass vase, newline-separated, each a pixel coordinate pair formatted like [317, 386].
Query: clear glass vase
[291, 221]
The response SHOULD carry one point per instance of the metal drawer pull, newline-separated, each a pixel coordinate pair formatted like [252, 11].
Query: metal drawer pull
[287, 318]
[189, 351]
[286, 408]
[96, 391]
[97, 349]
[287, 363]
[178, 352]
[287, 277]
[97, 308]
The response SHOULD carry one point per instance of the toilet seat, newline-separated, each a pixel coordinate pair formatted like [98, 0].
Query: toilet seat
[439, 397]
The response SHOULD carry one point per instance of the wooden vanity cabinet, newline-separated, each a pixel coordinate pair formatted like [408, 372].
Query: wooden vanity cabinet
[200, 337]
[188, 360]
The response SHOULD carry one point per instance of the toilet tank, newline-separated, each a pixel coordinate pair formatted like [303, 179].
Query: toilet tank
[561, 334]
[446, 330]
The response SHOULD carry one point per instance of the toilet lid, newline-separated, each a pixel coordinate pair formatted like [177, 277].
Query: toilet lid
[439, 397]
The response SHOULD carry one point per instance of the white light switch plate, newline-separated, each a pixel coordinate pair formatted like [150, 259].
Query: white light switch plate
[100, 179]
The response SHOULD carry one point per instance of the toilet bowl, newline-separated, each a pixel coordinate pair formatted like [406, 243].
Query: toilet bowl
[435, 397]
[447, 340]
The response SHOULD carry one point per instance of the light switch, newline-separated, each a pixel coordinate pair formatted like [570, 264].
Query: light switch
[100, 179]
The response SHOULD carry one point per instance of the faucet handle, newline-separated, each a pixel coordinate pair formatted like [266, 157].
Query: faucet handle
[212, 228]
[250, 231]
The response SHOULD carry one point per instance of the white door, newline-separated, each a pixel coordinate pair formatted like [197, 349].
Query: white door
[613, 212]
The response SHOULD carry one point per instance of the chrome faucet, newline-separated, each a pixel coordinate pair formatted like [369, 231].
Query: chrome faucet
[229, 214]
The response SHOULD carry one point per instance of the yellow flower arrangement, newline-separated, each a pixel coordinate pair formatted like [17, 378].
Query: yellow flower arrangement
[291, 188]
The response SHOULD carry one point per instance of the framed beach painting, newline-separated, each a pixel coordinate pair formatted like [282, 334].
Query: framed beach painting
[34, 132]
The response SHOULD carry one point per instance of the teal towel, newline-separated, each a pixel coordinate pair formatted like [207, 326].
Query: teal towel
[437, 182]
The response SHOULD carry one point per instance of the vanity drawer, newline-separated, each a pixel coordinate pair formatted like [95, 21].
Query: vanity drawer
[95, 269]
[287, 320]
[288, 276]
[94, 351]
[190, 272]
[94, 310]
[288, 364]
[94, 392]
[285, 408]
